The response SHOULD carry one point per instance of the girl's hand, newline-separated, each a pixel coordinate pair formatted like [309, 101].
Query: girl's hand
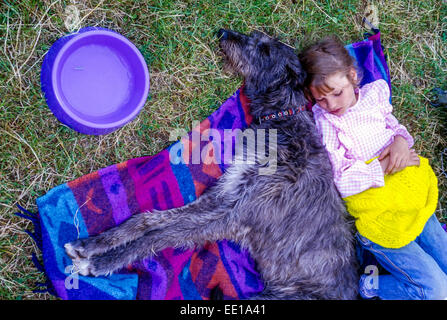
[413, 160]
[384, 163]
[398, 154]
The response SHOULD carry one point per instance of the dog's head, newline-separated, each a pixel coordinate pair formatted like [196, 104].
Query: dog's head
[264, 62]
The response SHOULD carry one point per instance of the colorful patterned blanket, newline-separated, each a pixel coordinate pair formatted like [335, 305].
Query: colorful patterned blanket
[101, 200]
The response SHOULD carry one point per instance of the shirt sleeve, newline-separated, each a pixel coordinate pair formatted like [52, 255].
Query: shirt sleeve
[386, 108]
[351, 175]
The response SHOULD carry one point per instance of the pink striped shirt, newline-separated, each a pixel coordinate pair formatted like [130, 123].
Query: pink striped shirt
[358, 135]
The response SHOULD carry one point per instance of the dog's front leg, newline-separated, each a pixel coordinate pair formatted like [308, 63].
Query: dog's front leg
[183, 230]
[137, 226]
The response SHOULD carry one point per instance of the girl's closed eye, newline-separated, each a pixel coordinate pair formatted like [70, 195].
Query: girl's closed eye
[338, 94]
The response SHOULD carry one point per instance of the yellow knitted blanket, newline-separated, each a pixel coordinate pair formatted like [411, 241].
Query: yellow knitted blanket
[395, 214]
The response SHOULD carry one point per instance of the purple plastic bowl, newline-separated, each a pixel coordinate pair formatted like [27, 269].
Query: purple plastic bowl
[95, 81]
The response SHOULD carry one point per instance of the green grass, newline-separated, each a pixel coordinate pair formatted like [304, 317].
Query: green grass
[177, 39]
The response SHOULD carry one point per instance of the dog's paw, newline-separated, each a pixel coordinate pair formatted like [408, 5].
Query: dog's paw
[88, 261]
[76, 249]
[88, 267]
[83, 267]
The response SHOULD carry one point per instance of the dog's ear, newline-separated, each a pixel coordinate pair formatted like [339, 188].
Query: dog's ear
[296, 72]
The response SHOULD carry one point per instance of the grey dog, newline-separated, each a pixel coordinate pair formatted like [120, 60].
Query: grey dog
[293, 222]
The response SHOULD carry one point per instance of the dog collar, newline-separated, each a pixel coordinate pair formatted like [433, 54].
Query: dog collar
[282, 113]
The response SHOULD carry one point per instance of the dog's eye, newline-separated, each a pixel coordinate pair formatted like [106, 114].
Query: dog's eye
[255, 33]
[264, 49]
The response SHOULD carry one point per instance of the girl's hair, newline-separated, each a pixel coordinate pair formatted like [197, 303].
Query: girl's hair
[324, 59]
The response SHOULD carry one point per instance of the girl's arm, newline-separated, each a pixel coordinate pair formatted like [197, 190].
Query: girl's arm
[351, 176]
[399, 150]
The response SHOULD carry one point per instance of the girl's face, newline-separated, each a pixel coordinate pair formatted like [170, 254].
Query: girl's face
[341, 98]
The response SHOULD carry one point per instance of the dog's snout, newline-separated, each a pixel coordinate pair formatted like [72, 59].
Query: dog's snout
[222, 34]
[231, 35]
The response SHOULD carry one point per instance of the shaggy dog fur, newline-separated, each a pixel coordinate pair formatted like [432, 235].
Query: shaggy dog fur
[293, 222]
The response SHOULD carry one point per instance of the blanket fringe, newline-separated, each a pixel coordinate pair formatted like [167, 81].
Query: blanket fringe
[46, 286]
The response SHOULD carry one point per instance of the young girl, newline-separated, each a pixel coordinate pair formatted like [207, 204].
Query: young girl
[389, 190]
